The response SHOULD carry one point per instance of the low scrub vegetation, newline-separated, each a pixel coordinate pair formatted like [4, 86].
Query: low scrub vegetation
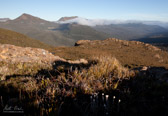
[100, 87]
[104, 75]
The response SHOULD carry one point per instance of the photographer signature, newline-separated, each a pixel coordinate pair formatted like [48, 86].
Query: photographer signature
[8, 108]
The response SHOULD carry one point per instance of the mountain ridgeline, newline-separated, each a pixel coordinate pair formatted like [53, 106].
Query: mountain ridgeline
[4, 19]
[130, 31]
[66, 34]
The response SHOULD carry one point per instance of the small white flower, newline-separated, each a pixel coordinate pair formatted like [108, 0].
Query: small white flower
[119, 101]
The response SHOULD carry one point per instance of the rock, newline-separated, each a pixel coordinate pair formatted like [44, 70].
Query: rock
[67, 18]
[13, 54]
[16, 60]
[125, 43]
[81, 61]
[145, 68]
[81, 42]
[157, 56]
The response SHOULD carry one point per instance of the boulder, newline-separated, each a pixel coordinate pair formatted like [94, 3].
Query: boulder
[16, 60]
[81, 42]
[15, 54]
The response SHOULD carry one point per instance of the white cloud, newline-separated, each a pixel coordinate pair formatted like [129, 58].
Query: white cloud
[94, 22]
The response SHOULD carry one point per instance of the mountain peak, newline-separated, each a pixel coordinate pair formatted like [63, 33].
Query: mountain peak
[25, 16]
[67, 18]
[29, 18]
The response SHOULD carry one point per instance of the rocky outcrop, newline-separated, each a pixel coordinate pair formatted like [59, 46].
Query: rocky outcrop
[67, 18]
[121, 42]
[160, 73]
[83, 61]
[82, 42]
[16, 60]
[14, 54]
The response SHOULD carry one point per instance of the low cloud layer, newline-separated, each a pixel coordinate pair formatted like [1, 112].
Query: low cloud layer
[94, 22]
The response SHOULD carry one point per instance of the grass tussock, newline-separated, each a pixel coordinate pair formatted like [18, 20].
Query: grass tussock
[105, 74]
[37, 91]
[20, 69]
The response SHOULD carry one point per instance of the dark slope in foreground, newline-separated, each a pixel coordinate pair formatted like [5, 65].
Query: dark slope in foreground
[14, 38]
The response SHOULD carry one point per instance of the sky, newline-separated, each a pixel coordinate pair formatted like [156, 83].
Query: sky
[52, 10]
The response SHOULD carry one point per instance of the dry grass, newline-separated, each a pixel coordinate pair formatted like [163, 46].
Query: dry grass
[102, 76]
[20, 69]
[46, 93]
[128, 53]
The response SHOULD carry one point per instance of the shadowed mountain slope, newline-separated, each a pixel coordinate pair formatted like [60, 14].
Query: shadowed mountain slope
[130, 31]
[160, 40]
[157, 38]
[14, 38]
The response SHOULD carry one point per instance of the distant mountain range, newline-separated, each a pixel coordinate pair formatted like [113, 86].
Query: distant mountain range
[52, 33]
[157, 38]
[125, 30]
[4, 19]
[94, 22]
[130, 31]
[67, 30]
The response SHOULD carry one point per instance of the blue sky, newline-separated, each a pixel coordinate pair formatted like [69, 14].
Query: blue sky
[92, 9]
